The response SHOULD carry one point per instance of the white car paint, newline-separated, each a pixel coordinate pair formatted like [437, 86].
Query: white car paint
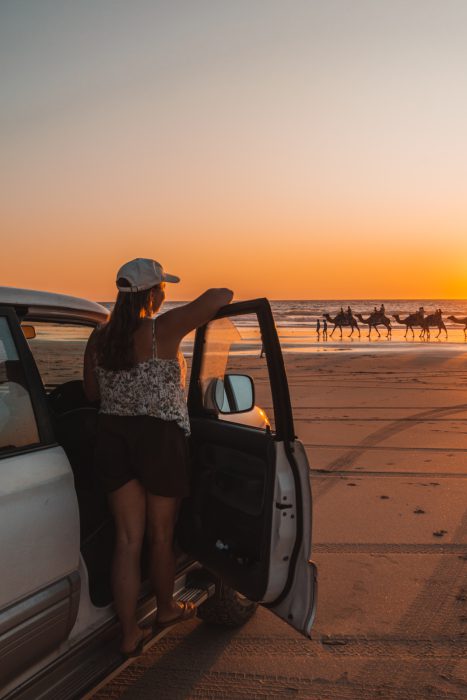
[41, 541]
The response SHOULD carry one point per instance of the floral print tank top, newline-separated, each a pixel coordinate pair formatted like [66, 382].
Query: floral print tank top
[155, 387]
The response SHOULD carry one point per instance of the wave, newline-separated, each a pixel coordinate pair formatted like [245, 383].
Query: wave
[304, 313]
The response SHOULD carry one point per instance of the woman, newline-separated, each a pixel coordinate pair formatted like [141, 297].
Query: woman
[133, 365]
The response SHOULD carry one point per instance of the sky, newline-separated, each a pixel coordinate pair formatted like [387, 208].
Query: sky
[282, 148]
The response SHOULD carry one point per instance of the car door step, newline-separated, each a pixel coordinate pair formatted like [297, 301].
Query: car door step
[196, 595]
[96, 661]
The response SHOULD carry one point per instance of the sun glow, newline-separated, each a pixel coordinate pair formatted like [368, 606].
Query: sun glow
[322, 166]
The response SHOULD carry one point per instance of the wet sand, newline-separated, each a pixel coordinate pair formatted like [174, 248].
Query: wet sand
[386, 436]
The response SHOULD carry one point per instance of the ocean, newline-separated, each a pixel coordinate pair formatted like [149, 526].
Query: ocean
[303, 313]
[296, 326]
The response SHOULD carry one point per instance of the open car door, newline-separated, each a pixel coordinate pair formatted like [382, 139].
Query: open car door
[248, 519]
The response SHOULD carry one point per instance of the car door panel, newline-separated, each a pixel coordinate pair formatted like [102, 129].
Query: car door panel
[301, 579]
[224, 521]
[39, 517]
[249, 517]
[38, 506]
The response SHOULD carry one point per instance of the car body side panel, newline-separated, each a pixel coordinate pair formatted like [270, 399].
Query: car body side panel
[36, 625]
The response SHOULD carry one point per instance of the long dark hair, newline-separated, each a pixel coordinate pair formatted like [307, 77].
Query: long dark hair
[114, 340]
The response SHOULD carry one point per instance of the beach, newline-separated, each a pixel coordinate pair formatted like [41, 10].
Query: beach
[304, 159]
[386, 437]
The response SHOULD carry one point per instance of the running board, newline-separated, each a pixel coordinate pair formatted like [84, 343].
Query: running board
[90, 665]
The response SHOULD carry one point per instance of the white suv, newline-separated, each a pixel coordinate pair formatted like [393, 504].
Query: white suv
[243, 537]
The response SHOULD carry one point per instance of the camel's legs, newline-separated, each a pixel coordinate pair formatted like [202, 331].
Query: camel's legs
[376, 329]
[333, 330]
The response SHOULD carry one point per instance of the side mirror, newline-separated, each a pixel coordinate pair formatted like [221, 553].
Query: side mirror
[234, 394]
[29, 332]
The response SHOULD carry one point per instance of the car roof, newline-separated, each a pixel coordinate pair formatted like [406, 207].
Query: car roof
[33, 305]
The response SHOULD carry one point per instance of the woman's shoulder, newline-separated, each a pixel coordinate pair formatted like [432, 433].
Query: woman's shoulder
[166, 320]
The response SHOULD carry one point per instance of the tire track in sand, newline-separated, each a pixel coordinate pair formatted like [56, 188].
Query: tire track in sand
[349, 458]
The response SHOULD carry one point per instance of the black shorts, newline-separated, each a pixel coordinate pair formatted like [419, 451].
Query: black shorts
[149, 449]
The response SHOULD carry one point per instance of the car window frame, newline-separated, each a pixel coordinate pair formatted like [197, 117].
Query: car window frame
[34, 387]
[33, 319]
[277, 376]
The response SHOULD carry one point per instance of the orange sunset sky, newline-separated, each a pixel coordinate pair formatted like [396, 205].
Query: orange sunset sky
[298, 149]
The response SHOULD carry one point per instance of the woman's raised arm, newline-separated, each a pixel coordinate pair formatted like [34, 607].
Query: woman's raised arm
[186, 318]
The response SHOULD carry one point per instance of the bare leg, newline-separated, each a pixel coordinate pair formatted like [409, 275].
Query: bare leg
[161, 514]
[128, 505]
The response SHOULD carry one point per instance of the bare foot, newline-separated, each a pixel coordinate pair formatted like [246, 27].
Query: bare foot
[176, 612]
[132, 644]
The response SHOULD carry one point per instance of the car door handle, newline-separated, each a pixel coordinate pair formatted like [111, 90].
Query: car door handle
[282, 506]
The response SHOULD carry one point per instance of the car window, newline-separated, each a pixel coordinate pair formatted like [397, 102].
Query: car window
[58, 350]
[232, 353]
[18, 426]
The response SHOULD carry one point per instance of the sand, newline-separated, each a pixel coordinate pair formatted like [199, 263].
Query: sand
[386, 437]
[385, 429]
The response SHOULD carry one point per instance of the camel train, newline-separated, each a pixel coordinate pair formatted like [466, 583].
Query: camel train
[345, 319]
[378, 318]
[419, 320]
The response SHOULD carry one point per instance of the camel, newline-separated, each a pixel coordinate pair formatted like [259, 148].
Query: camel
[342, 319]
[435, 320]
[459, 320]
[374, 320]
[412, 320]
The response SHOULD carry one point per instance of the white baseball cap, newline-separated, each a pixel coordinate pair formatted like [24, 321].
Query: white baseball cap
[143, 273]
